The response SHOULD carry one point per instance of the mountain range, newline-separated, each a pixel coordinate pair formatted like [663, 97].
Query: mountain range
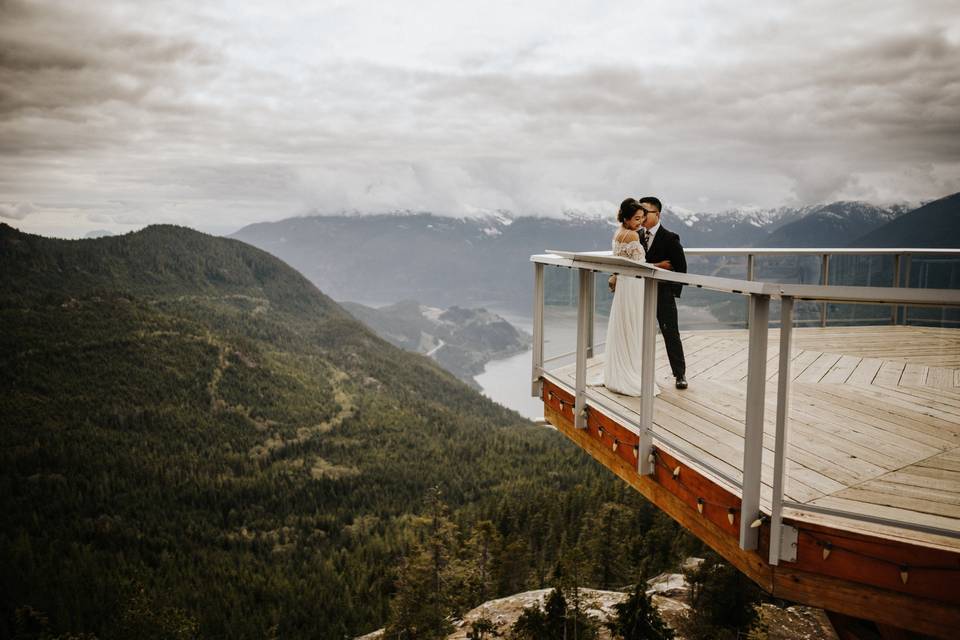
[936, 224]
[441, 261]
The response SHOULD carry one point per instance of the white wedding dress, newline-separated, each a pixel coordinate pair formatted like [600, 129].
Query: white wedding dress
[621, 371]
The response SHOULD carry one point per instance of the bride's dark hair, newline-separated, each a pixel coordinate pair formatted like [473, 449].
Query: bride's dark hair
[627, 209]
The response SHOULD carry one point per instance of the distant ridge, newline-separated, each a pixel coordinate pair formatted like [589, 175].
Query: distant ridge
[832, 225]
[935, 225]
[484, 262]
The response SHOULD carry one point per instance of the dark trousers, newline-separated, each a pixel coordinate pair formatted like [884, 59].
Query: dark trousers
[670, 330]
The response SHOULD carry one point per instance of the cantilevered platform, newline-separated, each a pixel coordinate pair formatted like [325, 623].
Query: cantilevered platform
[874, 422]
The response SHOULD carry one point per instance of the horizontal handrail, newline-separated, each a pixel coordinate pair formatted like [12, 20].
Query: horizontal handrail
[606, 262]
[866, 517]
[845, 251]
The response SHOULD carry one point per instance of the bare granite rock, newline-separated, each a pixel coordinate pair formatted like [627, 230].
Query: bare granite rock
[669, 592]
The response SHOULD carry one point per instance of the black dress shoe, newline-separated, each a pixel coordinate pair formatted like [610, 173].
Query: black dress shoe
[681, 383]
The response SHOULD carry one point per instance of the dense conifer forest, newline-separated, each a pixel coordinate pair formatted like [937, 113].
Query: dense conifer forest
[196, 442]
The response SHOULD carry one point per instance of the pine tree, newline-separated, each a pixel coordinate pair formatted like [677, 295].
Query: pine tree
[722, 600]
[637, 618]
[417, 610]
[604, 545]
[426, 598]
[478, 561]
[481, 629]
[554, 622]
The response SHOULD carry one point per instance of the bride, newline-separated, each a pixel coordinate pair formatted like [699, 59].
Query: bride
[621, 372]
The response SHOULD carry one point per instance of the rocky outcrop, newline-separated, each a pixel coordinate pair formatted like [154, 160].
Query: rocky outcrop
[669, 592]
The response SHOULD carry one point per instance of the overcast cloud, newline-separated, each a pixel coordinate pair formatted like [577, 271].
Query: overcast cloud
[118, 114]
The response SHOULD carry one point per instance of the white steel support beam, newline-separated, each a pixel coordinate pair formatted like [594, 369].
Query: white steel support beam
[753, 423]
[536, 385]
[825, 276]
[782, 437]
[591, 311]
[584, 302]
[648, 364]
[908, 258]
[897, 259]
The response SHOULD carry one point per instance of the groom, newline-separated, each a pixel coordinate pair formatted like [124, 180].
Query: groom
[664, 251]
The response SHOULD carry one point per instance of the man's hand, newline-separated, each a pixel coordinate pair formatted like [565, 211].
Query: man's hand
[665, 264]
[612, 283]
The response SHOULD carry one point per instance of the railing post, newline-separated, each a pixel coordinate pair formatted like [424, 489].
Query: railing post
[906, 309]
[584, 298]
[825, 274]
[751, 266]
[895, 313]
[753, 423]
[648, 344]
[591, 311]
[782, 434]
[536, 384]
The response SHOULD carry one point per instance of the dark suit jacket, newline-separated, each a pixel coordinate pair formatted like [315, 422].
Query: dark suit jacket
[666, 246]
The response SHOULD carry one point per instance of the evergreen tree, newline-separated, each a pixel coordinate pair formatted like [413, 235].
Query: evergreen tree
[553, 622]
[425, 599]
[555, 614]
[530, 625]
[637, 618]
[482, 629]
[723, 601]
[416, 610]
[480, 556]
[603, 542]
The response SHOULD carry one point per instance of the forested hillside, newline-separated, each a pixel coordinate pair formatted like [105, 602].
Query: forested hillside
[196, 442]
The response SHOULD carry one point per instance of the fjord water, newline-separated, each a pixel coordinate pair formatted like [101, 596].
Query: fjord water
[507, 381]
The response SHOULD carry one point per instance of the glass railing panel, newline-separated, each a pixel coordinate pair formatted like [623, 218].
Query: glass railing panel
[559, 316]
[603, 299]
[861, 271]
[931, 271]
[793, 269]
[702, 309]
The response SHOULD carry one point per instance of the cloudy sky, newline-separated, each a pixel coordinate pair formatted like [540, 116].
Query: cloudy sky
[215, 114]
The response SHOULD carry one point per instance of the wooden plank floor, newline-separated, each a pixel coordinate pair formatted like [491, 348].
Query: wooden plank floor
[874, 419]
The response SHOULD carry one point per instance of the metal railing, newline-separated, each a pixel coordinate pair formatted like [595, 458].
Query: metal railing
[901, 271]
[759, 295]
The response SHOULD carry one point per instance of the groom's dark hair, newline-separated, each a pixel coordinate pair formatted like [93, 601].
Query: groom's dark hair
[651, 200]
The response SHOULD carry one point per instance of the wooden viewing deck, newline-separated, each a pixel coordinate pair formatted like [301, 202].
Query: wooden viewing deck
[874, 419]
[867, 522]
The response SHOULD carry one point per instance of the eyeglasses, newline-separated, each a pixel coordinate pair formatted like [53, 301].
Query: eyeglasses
[645, 210]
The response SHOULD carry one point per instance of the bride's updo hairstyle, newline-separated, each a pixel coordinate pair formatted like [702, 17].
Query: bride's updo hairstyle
[627, 209]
